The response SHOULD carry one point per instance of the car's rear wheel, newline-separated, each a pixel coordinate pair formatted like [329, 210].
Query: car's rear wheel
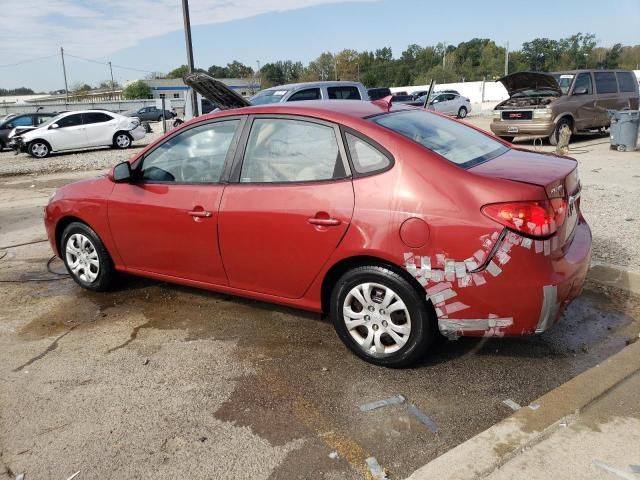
[86, 258]
[122, 140]
[39, 149]
[381, 317]
[160, 118]
[555, 136]
[462, 113]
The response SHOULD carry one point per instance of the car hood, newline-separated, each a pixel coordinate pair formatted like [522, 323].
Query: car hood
[215, 91]
[517, 82]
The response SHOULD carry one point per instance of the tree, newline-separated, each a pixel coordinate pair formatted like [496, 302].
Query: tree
[541, 54]
[236, 69]
[137, 90]
[179, 72]
[218, 72]
[611, 57]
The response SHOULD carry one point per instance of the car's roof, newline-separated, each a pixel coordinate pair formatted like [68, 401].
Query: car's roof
[316, 108]
[324, 83]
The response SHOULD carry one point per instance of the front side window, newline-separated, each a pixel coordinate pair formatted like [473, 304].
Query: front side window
[344, 93]
[583, 81]
[455, 141]
[70, 121]
[268, 96]
[365, 157]
[40, 119]
[308, 94]
[285, 150]
[196, 155]
[606, 82]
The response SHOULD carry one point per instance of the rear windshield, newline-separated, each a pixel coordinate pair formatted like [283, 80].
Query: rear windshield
[456, 142]
[267, 96]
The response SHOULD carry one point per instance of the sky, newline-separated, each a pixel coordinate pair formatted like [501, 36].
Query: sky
[147, 35]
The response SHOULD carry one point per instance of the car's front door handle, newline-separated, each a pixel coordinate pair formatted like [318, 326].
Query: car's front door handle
[200, 213]
[325, 222]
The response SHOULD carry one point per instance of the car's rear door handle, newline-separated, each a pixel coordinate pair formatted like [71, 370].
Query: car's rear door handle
[325, 222]
[200, 213]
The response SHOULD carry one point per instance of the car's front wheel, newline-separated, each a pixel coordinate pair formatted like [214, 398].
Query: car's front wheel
[381, 317]
[122, 140]
[85, 257]
[39, 149]
[462, 113]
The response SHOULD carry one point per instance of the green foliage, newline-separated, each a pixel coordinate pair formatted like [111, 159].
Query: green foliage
[179, 72]
[16, 91]
[137, 90]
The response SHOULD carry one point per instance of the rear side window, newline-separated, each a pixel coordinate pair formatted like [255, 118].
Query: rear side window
[284, 150]
[364, 156]
[456, 142]
[308, 94]
[344, 93]
[627, 82]
[95, 117]
[606, 82]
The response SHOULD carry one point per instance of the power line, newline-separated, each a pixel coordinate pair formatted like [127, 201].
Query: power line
[28, 61]
[108, 63]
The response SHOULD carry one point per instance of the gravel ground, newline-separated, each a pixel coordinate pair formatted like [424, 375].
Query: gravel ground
[99, 158]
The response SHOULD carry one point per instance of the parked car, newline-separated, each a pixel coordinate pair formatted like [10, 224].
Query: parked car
[542, 104]
[339, 90]
[378, 93]
[21, 123]
[447, 103]
[397, 221]
[80, 129]
[402, 98]
[150, 114]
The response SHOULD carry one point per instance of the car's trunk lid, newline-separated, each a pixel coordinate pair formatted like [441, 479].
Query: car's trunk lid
[524, 81]
[215, 91]
[557, 175]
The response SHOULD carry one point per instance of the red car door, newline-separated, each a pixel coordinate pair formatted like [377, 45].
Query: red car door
[165, 221]
[289, 209]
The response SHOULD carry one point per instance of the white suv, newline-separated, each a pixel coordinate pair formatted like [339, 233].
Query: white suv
[80, 129]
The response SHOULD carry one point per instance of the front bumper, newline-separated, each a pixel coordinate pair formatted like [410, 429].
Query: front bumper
[512, 128]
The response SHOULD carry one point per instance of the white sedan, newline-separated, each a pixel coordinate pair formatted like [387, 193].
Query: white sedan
[80, 129]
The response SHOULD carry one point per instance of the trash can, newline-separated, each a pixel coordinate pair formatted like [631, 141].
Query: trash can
[624, 129]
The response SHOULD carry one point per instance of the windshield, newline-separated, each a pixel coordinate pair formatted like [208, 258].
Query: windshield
[456, 142]
[564, 80]
[267, 96]
[50, 121]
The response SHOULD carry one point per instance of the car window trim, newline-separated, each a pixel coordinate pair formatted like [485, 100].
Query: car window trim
[238, 161]
[305, 90]
[137, 165]
[372, 143]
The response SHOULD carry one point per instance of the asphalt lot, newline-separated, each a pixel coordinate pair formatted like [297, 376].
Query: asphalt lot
[159, 381]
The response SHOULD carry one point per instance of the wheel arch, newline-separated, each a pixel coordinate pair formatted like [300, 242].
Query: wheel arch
[346, 264]
[569, 116]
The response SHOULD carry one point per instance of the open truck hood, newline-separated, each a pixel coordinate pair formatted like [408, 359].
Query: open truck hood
[215, 91]
[520, 81]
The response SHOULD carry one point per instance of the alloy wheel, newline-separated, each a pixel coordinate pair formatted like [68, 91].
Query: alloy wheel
[39, 150]
[123, 140]
[82, 258]
[376, 318]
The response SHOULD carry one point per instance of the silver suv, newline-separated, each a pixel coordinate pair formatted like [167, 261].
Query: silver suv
[338, 90]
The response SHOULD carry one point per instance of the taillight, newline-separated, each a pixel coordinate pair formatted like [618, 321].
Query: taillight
[534, 219]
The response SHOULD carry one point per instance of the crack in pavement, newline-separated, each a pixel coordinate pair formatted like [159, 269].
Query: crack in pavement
[48, 350]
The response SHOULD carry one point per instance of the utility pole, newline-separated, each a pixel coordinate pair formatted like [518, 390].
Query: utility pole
[506, 60]
[335, 60]
[64, 72]
[187, 38]
[112, 83]
[444, 55]
[258, 74]
[358, 67]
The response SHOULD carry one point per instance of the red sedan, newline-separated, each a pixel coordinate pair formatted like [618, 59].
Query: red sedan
[397, 221]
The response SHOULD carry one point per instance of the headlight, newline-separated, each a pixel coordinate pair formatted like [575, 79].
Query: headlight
[496, 114]
[542, 113]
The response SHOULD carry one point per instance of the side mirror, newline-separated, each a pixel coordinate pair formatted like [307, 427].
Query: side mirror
[122, 173]
[54, 125]
[580, 91]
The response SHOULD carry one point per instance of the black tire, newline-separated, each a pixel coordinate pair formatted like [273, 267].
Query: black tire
[104, 272]
[555, 136]
[462, 112]
[39, 149]
[119, 140]
[1, 146]
[508, 139]
[160, 118]
[421, 319]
